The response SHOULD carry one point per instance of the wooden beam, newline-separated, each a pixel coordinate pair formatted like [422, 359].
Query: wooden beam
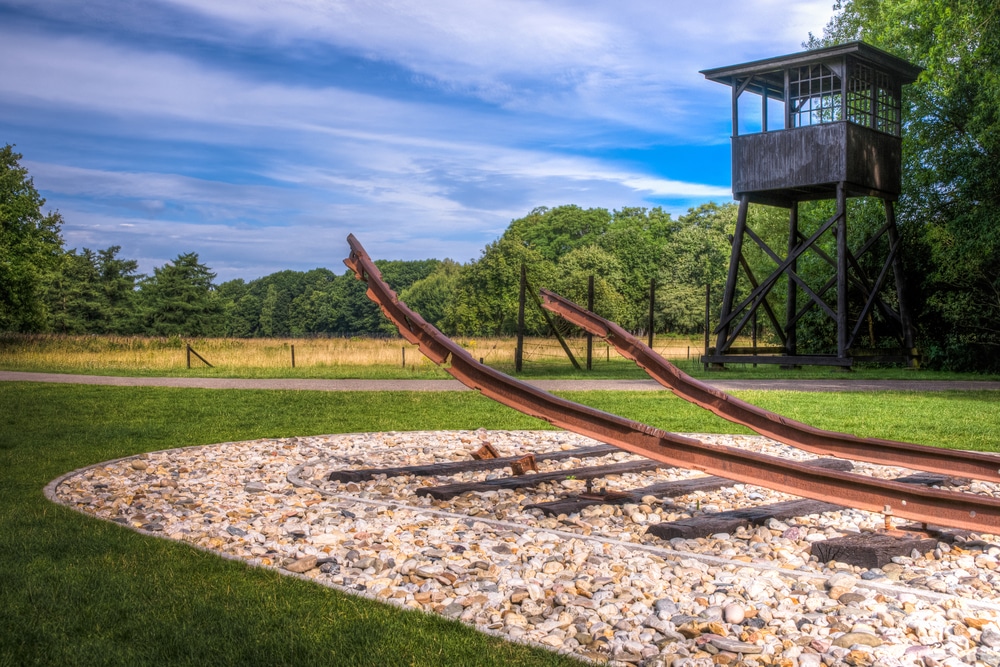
[841, 270]
[791, 337]
[734, 264]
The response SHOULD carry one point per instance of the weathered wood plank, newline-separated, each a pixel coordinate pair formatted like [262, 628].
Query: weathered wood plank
[727, 522]
[869, 550]
[680, 487]
[577, 503]
[453, 467]
[448, 491]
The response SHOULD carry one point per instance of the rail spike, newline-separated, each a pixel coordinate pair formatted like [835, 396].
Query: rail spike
[978, 465]
[935, 506]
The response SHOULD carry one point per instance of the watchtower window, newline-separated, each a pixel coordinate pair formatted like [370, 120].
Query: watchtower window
[814, 95]
[871, 100]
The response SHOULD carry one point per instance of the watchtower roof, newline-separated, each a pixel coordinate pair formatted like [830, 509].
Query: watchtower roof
[768, 74]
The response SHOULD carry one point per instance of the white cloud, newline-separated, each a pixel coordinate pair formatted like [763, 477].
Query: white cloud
[296, 166]
[609, 58]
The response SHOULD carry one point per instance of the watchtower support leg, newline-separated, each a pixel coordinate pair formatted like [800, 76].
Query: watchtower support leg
[734, 265]
[791, 340]
[842, 316]
[897, 271]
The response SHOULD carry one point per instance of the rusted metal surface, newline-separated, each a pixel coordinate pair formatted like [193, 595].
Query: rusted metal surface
[523, 465]
[487, 451]
[927, 505]
[977, 465]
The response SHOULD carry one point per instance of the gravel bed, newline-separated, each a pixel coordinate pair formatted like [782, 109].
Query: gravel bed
[590, 583]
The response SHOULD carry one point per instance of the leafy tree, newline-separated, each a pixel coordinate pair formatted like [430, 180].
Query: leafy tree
[485, 300]
[573, 276]
[697, 255]
[244, 317]
[553, 232]
[950, 211]
[638, 238]
[30, 246]
[312, 310]
[179, 300]
[430, 296]
[274, 313]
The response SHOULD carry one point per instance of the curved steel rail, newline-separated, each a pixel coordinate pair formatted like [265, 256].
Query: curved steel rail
[927, 505]
[977, 465]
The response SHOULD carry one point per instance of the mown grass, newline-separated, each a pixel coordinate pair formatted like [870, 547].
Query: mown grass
[375, 358]
[78, 591]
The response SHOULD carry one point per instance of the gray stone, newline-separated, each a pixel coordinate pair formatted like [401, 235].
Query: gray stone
[733, 645]
[990, 636]
[301, 565]
[988, 656]
[454, 610]
[665, 606]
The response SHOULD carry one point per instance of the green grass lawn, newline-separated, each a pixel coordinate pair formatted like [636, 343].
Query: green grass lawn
[78, 591]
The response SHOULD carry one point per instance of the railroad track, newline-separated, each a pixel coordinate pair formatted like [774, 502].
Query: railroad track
[930, 506]
[977, 465]
[866, 550]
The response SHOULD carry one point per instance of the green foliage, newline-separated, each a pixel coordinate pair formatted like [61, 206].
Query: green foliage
[638, 238]
[431, 295]
[485, 300]
[29, 246]
[697, 255]
[90, 292]
[553, 232]
[179, 300]
[574, 271]
[950, 212]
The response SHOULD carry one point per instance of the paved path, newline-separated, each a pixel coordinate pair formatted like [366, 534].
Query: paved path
[455, 385]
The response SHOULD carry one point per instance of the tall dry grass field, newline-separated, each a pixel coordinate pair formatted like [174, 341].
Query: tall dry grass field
[269, 357]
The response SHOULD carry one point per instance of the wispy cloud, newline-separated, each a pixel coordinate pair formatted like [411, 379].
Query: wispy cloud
[260, 132]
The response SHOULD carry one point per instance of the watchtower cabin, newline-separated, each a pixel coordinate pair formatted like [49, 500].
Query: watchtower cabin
[829, 128]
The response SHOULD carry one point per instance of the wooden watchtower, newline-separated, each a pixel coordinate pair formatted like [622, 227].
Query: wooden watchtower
[839, 136]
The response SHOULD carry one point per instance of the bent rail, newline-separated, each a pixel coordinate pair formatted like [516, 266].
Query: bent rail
[978, 465]
[935, 506]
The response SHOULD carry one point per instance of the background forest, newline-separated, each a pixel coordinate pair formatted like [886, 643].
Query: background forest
[949, 219]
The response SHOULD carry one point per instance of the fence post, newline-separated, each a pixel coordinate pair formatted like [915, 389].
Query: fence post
[708, 307]
[590, 307]
[403, 349]
[519, 350]
[652, 303]
[190, 351]
[293, 356]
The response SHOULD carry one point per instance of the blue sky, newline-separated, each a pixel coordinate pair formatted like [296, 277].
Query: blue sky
[259, 133]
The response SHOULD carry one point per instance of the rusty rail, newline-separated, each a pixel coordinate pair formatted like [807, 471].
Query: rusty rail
[977, 465]
[928, 505]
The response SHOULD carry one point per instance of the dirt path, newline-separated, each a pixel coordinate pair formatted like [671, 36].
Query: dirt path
[454, 385]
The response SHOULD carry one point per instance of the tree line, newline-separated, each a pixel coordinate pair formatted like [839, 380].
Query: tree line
[45, 287]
